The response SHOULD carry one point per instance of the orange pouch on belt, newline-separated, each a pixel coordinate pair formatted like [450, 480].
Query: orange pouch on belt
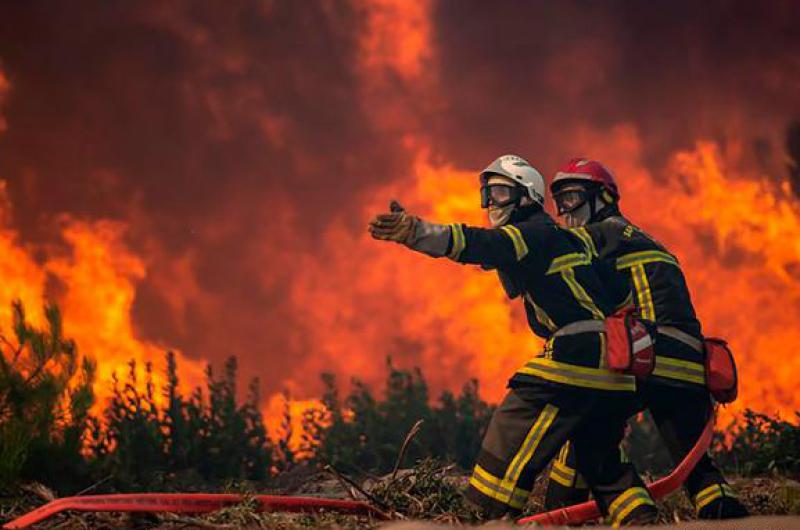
[630, 344]
[721, 378]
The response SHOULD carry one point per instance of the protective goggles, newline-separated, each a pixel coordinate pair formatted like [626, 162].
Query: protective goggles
[499, 195]
[570, 200]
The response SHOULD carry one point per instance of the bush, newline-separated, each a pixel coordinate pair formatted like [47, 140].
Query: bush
[143, 445]
[363, 434]
[760, 445]
[157, 438]
[45, 397]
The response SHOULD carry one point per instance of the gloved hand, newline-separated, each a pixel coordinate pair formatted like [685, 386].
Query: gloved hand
[396, 225]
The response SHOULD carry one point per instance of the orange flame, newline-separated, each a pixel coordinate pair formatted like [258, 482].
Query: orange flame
[454, 319]
[736, 237]
[98, 279]
[736, 234]
[100, 274]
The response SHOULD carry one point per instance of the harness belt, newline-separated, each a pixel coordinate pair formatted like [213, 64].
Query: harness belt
[597, 326]
[581, 326]
[681, 336]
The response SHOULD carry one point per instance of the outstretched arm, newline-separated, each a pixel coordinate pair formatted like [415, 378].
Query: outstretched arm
[496, 247]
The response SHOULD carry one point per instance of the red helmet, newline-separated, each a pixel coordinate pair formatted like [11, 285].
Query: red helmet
[586, 169]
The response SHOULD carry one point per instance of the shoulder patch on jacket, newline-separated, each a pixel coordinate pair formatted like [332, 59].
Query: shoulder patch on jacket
[628, 232]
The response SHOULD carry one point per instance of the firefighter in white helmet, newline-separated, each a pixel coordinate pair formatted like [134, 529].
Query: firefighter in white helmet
[564, 392]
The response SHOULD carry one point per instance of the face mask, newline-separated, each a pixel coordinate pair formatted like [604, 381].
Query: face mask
[499, 216]
[578, 217]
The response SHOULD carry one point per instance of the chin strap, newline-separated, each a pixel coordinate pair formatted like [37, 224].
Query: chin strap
[524, 213]
[608, 210]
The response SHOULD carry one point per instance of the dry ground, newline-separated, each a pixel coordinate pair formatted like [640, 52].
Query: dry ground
[425, 498]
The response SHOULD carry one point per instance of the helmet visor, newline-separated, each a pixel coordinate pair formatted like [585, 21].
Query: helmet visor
[498, 195]
[570, 200]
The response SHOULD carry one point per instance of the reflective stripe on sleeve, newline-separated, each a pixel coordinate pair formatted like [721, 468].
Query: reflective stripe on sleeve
[567, 262]
[644, 296]
[459, 241]
[644, 257]
[520, 247]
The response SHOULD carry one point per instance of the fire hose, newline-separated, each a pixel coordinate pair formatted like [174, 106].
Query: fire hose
[209, 502]
[587, 511]
[188, 503]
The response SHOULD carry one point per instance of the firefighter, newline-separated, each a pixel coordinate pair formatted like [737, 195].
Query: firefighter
[587, 197]
[564, 392]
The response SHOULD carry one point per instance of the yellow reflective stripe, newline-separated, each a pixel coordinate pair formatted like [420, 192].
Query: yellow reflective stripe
[623, 505]
[630, 507]
[569, 374]
[561, 475]
[567, 262]
[541, 315]
[529, 446]
[565, 265]
[644, 295]
[459, 241]
[582, 233]
[624, 497]
[493, 488]
[644, 257]
[565, 471]
[563, 453]
[520, 247]
[712, 493]
[670, 368]
[581, 295]
[707, 496]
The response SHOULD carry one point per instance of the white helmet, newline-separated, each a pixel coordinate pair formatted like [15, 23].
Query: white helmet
[520, 171]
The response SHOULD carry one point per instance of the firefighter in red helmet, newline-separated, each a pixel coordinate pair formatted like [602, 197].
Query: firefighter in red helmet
[587, 197]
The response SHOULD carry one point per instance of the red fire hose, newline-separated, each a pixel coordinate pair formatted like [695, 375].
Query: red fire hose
[188, 503]
[208, 502]
[580, 513]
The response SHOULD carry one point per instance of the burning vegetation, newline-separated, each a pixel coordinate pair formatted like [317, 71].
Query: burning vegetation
[195, 179]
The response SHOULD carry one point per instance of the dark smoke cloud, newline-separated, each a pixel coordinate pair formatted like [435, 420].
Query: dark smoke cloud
[229, 134]
[524, 75]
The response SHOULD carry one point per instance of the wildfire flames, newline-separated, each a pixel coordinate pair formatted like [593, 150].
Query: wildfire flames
[340, 302]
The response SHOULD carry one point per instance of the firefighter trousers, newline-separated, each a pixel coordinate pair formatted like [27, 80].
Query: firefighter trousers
[680, 413]
[530, 426]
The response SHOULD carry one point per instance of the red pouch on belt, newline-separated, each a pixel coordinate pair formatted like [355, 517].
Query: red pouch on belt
[721, 378]
[630, 343]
